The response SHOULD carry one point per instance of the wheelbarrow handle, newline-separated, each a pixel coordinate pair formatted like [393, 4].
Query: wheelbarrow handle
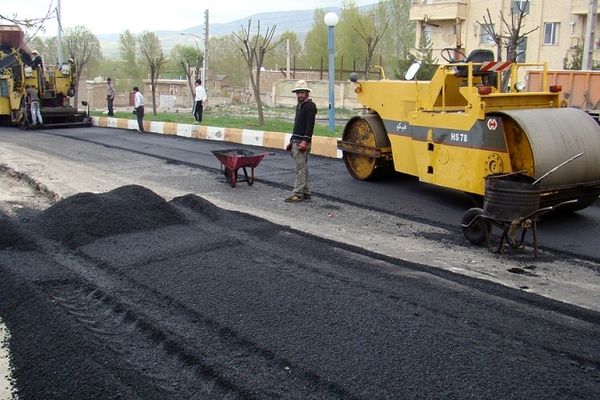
[548, 209]
[557, 167]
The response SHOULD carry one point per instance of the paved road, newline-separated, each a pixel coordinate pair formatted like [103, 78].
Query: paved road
[576, 233]
[228, 306]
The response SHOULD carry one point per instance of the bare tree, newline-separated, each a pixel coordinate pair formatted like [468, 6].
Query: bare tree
[37, 24]
[371, 35]
[83, 46]
[154, 59]
[253, 50]
[514, 36]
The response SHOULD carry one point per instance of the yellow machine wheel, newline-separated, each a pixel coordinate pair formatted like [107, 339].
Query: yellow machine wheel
[367, 132]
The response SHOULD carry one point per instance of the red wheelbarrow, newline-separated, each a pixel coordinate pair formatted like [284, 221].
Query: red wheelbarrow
[234, 159]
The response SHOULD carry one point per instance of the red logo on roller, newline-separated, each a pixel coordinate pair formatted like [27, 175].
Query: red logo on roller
[492, 124]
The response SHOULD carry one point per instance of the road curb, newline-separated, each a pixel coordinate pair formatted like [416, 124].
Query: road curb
[322, 146]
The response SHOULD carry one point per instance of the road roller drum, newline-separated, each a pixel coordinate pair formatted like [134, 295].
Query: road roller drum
[554, 135]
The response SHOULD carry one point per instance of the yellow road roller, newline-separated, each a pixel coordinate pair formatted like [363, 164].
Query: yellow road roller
[461, 126]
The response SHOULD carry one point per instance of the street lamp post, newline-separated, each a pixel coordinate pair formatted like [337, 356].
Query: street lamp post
[331, 19]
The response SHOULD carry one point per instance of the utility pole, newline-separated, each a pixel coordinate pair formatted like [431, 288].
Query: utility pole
[288, 75]
[59, 49]
[205, 47]
[588, 44]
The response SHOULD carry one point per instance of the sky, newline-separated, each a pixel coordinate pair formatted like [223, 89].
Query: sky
[112, 16]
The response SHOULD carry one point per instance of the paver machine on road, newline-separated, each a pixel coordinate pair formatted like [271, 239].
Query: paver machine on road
[19, 67]
[462, 126]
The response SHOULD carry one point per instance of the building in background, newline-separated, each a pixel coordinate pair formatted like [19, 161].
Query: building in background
[455, 23]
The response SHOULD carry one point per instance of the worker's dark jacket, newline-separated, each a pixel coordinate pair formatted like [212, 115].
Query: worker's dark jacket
[304, 123]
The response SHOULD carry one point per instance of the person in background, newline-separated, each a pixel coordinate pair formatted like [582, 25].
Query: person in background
[110, 96]
[38, 64]
[299, 145]
[139, 108]
[33, 98]
[199, 100]
[36, 60]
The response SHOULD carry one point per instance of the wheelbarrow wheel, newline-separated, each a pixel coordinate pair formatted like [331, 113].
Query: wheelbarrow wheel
[475, 228]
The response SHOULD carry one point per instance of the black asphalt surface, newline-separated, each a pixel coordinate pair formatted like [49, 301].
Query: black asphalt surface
[571, 234]
[188, 301]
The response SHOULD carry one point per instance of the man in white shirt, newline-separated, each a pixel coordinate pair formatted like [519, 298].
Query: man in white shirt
[139, 108]
[199, 100]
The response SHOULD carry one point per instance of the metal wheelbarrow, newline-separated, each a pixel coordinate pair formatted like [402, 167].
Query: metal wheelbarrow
[234, 159]
[512, 202]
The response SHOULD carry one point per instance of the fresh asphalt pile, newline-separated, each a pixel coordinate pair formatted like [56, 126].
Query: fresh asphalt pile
[123, 295]
[85, 217]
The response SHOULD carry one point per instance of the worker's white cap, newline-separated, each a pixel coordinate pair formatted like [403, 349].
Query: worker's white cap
[300, 86]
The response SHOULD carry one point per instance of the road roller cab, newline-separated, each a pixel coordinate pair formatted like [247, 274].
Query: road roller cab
[462, 126]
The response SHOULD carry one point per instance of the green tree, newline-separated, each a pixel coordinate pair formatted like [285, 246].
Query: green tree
[153, 58]
[278, 57]
[51, 48]
[346, 38]
[225, 57]
[187, 60]
[315, 43]
[116, 69]
[128, 53]
[400, 34]
[576, 60]
[429, 64]
[83, 48]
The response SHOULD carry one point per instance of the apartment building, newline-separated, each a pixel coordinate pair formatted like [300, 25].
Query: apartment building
[561, 26]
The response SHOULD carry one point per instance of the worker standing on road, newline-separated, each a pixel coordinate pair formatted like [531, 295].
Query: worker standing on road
[199, 100]
[33, 98]
[300, 142]
[110, 96]
[139, 108]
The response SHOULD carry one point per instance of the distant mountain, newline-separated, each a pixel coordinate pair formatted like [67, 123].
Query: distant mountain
[299, 21]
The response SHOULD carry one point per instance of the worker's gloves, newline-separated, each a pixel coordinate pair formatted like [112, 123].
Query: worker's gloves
[303, 146]
[288, 147]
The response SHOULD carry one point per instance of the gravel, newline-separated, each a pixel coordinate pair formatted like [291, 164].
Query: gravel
[12, 237]
[149, 299]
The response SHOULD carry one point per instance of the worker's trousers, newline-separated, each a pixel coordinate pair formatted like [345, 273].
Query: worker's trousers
[301, 187]
[198, 108]
[36, 115]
